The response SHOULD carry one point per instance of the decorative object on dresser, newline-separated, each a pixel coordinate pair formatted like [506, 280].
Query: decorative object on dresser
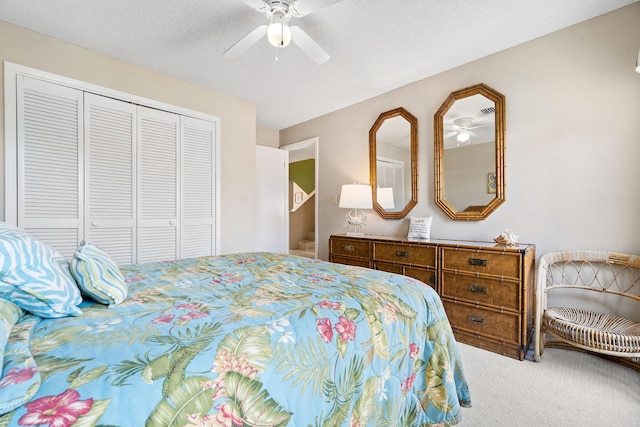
[596, 295]
[469, 143]
[506, 238]
[420, 227]
[487, 289]
[355, 197]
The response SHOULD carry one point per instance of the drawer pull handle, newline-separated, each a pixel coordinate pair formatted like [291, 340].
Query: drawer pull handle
[478, 262]
[349, 248]
[402, 254]
[478, 289]
[477, 319]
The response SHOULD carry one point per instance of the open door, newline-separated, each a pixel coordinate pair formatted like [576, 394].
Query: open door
[272, 201]
[302, 191]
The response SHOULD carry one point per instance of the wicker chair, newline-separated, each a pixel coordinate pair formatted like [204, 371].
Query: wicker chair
[577, 327]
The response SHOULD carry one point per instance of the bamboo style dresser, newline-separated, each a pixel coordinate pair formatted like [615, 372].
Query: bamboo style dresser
[487, 289]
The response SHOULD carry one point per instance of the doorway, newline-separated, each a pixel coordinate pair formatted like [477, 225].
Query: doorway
[303, 197]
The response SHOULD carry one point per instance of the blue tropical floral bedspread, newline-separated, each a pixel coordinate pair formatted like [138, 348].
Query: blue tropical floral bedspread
[256, 339]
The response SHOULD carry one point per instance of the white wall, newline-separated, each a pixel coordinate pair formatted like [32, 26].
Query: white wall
[238, 118]
[572, 141]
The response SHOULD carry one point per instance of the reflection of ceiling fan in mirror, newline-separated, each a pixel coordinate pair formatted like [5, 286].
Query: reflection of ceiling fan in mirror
[278, 31]
[463, 130]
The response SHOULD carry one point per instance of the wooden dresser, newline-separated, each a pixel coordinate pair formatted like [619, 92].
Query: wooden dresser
[487, 289]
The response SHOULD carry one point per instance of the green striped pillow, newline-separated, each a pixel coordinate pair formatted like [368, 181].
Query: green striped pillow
[97, 275]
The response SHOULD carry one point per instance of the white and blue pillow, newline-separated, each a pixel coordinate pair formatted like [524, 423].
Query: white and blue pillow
[34, 276]
[97, 275]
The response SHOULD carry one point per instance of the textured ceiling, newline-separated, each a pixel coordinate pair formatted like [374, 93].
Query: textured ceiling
[375, 45]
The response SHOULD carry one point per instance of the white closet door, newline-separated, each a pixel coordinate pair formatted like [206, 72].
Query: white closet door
[158, 191]
[49, 157]
[110, 176]
[198, 187]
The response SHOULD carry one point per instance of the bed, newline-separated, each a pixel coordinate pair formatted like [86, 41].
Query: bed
[253, 339]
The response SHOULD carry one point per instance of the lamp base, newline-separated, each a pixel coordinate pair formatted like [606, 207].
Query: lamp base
[356, 219]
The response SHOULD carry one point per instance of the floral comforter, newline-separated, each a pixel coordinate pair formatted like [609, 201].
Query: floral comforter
[255, 339]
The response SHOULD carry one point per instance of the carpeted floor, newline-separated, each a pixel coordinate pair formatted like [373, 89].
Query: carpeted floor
[566, 388]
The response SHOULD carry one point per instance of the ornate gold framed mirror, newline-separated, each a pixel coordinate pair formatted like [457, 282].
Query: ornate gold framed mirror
[469, 144]
[393, 163]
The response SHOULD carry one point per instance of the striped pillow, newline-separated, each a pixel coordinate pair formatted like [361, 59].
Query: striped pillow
[97, 275]
[34, 276]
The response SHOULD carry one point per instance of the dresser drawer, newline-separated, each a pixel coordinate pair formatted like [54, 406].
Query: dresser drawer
[419, 256]
[500, 264]
[483, 322]
[350, 261]
[425, 275]
[495, 346]
[480, 290]
[350, 248]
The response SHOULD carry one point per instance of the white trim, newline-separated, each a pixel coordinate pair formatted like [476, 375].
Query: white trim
[10, 150]
[315, 141]
[218, 199]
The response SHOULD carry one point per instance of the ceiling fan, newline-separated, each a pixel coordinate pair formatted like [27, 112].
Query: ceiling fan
[462, 129]
[278, 31]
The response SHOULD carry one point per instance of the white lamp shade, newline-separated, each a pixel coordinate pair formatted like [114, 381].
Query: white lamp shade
[356, 196]
[384, 196]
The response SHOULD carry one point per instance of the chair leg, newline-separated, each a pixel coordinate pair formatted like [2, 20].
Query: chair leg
[538, 344]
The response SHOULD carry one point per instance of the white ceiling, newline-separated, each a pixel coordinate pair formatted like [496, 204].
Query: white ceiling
[375, 45]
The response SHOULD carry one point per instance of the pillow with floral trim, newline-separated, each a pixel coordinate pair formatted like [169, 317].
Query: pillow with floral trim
[97, 275]
[34, 276]
[21, 378]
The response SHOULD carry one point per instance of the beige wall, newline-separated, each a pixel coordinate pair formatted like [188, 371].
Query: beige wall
[238, 118]
[267, 137]
[573, 141]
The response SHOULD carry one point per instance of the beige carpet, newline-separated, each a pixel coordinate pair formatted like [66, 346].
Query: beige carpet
[566, 388]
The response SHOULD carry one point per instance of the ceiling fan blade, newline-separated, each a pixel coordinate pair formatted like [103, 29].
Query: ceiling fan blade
[256, 4]
[450, 134]
[249, 40]
[304, 7]
[309, 46]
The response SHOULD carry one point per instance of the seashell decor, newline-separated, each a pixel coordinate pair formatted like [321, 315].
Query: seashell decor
[506, 238]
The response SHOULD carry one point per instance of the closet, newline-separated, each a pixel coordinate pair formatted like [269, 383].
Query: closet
[137, 181]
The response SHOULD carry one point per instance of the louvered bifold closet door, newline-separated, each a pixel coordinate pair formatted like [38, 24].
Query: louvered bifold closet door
[50, 164]
[391, 175]
[110, 176]
[158, 191]
[198, 187]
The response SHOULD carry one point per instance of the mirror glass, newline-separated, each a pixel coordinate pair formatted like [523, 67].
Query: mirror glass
[393, 146]
[469, 153]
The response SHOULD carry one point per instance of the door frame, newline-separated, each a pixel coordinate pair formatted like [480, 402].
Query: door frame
[309, 144]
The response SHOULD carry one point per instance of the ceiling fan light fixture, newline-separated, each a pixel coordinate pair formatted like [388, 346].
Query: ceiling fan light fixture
[279, 32]
[463, 136]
